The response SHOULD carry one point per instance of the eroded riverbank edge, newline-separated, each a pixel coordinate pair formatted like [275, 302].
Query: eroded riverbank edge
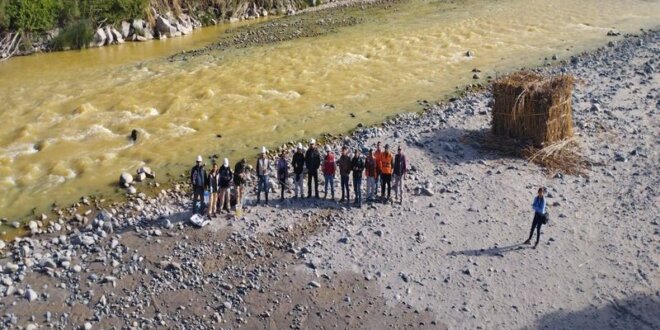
[254, 265]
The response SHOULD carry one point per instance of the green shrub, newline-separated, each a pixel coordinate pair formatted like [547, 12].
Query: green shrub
[4, 18]
[77, 35]
[32, 15]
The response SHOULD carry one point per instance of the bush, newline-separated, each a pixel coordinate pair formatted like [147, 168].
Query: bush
[4, 18]
[77, 35]
[32, 15]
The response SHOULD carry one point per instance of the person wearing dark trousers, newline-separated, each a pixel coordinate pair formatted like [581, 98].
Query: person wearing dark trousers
[400, 170]
[298, 164]
[198, 182]
[357, 165]
[262, 173]
[282, 172]
[386, 164]
[313, 162]
[226, 176]
[345, 167]
[539, 217]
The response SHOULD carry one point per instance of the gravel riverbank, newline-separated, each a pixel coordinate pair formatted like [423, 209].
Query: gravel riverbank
[450, 258]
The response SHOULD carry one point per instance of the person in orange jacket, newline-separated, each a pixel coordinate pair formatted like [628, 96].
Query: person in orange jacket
[377, 154]
[386, 166]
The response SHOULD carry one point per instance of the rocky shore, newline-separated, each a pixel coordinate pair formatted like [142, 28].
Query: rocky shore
[449, 257]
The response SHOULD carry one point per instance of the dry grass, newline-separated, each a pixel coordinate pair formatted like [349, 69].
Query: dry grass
[560, 157]
[533, 107]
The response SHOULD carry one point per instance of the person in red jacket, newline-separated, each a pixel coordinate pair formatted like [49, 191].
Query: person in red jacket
[329, 169]
[371, 172]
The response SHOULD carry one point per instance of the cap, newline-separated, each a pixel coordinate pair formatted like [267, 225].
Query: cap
[312, 141]
[199, 158]
[263, 150]
[300, 145]
[327, 148]
[225, 162]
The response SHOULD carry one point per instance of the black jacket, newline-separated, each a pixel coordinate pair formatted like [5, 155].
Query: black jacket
[198, 176]
[298, 162]
[358, 166]
[225, 176]
[312, 159]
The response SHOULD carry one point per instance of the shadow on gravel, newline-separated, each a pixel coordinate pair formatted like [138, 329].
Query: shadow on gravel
[635, 312]
[458, 146]
[492, 252]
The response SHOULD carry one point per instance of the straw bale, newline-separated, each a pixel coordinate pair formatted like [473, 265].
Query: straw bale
[533, 107]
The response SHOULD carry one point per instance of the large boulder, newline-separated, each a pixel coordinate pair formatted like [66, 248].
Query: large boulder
[183, 27]
[125, 29]
[165, 27]
[139, 27]
[99, 37]
[108, 33]
[117, 36]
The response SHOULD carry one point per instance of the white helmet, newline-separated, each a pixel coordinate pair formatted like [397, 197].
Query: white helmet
[300, 146]
[327, 148]
[312, 141]
[226, 162]
[263, 150]
[199, 158]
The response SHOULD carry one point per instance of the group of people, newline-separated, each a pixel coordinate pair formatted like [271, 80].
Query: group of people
[379, 167]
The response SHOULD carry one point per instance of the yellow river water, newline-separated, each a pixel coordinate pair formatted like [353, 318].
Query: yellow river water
[66, 116]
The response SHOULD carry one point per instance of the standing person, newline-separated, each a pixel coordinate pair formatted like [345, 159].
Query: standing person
[386, 162]
[329, 169]
[313, 162]
[213, 184]
[282, 172]
[298, 165]
[198, 182]
[400, 170]
[240, 170]
[539, 217]
[226, 175]
[371, 171]
[377, 155]
[263, 165]
[345, 168]
[357, 165]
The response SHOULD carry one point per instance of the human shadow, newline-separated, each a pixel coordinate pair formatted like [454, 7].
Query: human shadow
[634, 312]
[491, 252]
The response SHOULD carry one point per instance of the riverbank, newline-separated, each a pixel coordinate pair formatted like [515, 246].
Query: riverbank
[45, 26]
[452, 259]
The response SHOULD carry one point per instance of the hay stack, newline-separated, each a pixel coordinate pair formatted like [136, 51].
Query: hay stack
[532, 107]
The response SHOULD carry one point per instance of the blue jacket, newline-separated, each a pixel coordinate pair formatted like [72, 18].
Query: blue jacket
[539, 205]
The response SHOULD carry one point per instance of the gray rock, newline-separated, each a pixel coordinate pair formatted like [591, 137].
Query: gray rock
[125, 29]
[31, 295]
[426, 191]
[87, 326]
[613, 33]
[147, 171]
[140, 177]
[34, 227]
[108, 34]
[315, 284]
[164, 27]
[11, 267]
[469, 53]
[125, 179]
[117, 36]
[131, 190]
[99, 37]
[2, 244]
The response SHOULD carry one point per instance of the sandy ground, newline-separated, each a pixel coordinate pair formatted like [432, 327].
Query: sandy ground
[451, 260]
